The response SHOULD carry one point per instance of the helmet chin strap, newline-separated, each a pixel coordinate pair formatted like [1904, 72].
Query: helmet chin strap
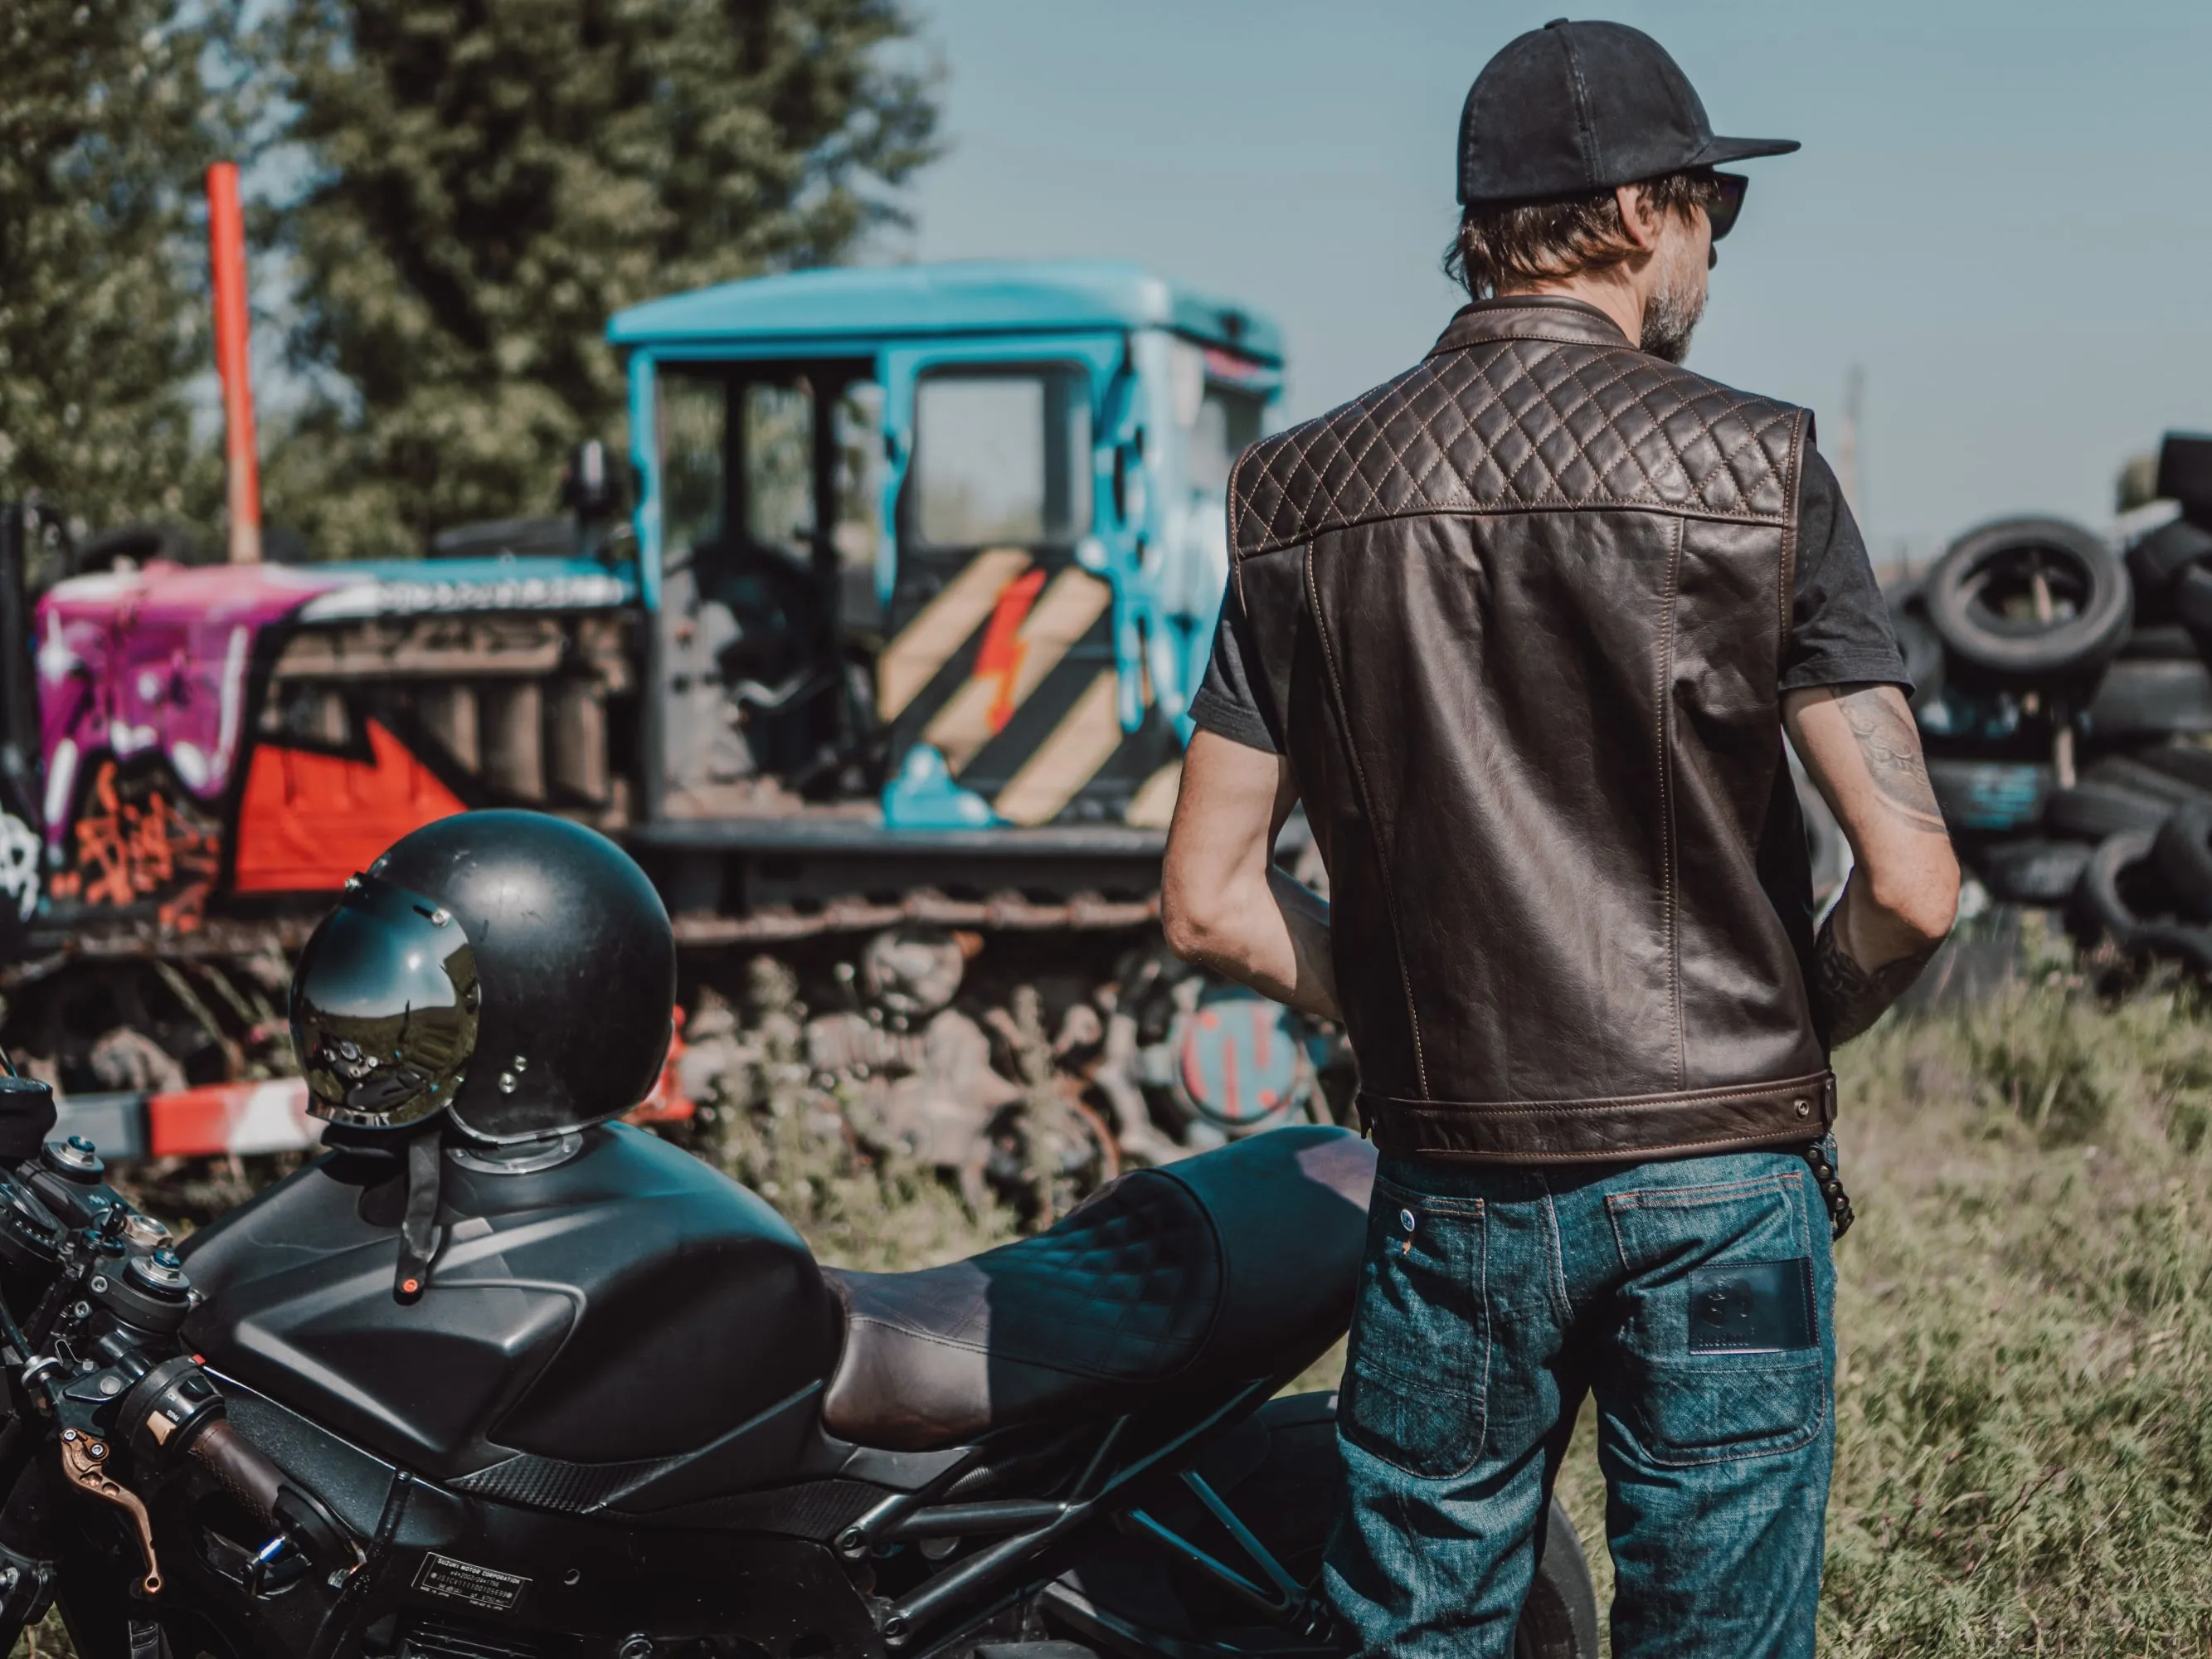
[420, 1234]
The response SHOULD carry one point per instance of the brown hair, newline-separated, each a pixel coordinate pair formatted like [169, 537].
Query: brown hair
[1505, 246]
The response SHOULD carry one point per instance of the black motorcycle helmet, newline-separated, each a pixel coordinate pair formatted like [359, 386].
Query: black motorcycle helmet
[512, 969]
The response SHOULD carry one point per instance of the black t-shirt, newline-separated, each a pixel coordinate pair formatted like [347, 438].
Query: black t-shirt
[1839, 631]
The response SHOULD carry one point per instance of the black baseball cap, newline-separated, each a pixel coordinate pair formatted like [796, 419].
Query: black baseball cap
[1575, 107]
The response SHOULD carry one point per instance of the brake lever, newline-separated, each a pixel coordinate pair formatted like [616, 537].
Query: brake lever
[83, 1461]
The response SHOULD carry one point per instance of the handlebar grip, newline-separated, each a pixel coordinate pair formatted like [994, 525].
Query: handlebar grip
[238, 1466]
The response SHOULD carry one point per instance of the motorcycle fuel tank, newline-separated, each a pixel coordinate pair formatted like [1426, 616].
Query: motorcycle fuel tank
[627, 1305]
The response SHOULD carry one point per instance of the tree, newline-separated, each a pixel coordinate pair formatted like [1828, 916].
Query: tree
[489, 179]
[106, 124]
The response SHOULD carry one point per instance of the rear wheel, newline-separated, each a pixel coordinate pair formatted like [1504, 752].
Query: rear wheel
[1279, 1474]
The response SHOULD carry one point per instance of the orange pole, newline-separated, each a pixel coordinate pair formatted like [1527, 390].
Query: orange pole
[227, 244]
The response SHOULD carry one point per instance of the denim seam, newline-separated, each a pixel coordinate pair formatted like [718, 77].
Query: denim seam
[1797, 1441]
[1441, 1204]
[1684, 1198]
[1561, 1297]
[1478, 1399]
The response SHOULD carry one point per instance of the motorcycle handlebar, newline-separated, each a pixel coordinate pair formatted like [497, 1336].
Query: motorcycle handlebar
[238, 1466]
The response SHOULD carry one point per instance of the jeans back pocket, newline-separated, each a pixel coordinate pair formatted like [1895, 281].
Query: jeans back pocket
[1723, 1346]
[1418, 1374]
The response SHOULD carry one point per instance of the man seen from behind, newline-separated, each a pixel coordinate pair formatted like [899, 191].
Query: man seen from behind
[1523, 629]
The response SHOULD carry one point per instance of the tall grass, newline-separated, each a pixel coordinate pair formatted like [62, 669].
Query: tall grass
[2024, 1460]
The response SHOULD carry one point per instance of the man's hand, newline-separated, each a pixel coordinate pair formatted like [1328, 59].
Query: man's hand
[1863, 751]
[1222, 901]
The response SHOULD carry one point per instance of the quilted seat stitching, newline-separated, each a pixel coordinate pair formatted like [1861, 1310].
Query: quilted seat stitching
[1128, 1310]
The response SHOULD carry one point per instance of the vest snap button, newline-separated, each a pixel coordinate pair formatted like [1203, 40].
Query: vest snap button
[1405, 1220]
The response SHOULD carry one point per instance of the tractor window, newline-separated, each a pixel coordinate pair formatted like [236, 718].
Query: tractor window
[692, 420]
[1227, 424]
[1002, 456]
[779, 459]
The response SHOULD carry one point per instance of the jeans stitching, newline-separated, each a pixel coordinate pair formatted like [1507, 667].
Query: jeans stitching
[1560, 1296]
[1795, 1440]
[1788, 1187]
[1366, 1371]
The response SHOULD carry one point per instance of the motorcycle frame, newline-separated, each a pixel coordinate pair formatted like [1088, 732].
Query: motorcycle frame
[1035, 1527]
[1132, 1459]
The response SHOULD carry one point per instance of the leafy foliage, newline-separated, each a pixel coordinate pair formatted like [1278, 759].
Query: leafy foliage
[489, 179]
[106, 124]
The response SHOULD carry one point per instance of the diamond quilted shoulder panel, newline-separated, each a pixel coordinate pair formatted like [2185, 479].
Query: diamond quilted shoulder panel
[1521, 425]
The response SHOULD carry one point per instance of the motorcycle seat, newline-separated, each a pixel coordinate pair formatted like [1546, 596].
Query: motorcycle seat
[1232, 1265]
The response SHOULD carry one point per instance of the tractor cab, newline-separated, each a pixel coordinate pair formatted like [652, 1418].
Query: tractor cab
[945, 543]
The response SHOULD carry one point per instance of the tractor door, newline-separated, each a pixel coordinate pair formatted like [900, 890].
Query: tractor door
[1001, 679]
[765, 609]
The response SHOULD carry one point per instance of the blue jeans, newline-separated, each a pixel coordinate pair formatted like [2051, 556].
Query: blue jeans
[1692, 1298]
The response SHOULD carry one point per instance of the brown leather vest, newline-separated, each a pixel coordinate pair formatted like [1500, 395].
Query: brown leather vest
[1522, 609]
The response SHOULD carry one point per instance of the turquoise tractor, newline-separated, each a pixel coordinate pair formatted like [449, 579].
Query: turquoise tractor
[885, 677]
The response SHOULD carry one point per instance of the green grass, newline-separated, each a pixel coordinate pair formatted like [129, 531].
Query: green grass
[2024, 1315]
[2024, 1459]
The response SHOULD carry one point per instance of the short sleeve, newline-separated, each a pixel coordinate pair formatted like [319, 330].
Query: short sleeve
[1227, 703]
[1839, 627]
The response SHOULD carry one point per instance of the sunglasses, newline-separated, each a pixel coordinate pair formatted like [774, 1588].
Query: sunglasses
[1724, 209]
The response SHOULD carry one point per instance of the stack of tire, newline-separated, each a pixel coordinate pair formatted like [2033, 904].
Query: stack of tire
[2039, 647]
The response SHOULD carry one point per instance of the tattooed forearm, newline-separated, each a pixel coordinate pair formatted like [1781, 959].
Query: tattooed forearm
[1847, 998]
[1890, 746]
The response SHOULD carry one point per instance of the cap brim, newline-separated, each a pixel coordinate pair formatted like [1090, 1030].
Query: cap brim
[1742, 149]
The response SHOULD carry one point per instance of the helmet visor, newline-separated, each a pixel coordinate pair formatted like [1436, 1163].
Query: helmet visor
[384, 1008]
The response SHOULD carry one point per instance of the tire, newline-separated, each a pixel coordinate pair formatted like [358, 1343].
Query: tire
[1559, 1619]
[1281, 1473]
[2185, 473]
[2175, 941]
[2033, 871]
[2150, 699]
[2099, 907]
[2183, 856]
[2137, 778]
[1980, 599]
[2184, 761]
[2094, 812]
[2168, 642]
[2192, 601]
[1920, 645]
[2157, 560]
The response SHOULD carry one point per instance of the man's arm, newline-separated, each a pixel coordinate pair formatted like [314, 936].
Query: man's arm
[1222, 901]
[1862, 750]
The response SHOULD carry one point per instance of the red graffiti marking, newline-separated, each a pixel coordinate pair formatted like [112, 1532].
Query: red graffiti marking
[128, 850]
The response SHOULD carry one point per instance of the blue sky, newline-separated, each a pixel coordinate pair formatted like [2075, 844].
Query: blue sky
[2002, 212]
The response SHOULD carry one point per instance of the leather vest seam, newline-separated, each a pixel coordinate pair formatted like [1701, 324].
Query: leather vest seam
[1367, 805]
[1670, 839]
[1473, 509]
[1810, 1083]
[1787, 585]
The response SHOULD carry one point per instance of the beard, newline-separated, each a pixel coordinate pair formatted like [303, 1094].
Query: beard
[1671, 315]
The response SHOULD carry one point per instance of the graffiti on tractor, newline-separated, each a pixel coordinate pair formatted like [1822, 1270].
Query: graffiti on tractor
[137, 841]
[270, 729]
[19, 867]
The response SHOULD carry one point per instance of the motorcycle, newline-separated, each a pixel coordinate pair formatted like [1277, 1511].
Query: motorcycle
[629, 1416]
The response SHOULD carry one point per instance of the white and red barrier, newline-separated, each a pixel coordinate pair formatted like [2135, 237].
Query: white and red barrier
[239, 1119]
